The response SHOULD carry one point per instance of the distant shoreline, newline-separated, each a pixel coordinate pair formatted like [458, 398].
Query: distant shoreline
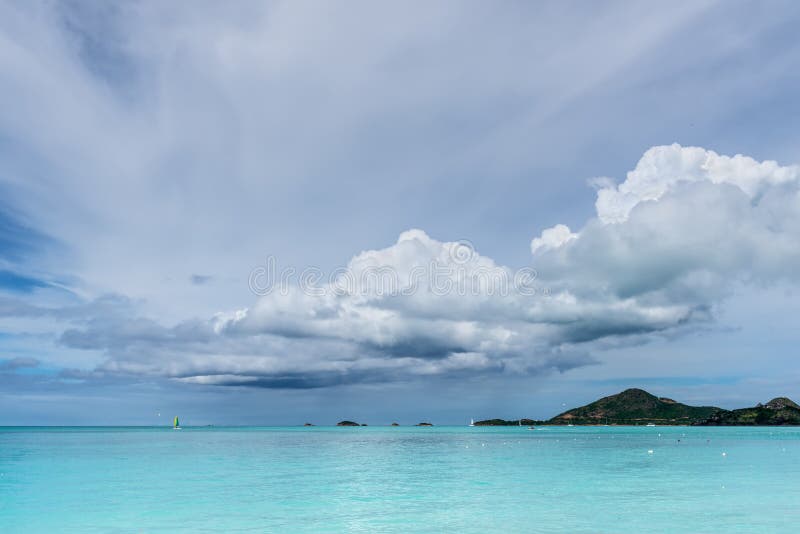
[334, 426]
[629, 408]
[636, 407]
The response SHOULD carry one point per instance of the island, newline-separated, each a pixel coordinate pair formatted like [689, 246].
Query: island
[425, 424]
[504, 422]
[347, 423]
[634, 407]
[779, 411]
[638, 407]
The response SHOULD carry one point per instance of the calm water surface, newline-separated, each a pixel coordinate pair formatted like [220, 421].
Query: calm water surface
[371, 479]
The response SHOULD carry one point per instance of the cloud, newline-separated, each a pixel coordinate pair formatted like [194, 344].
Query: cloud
[18, 363]
[552, 238]
[200, 279]
[683, 227]
[664, 250]
[665, 169]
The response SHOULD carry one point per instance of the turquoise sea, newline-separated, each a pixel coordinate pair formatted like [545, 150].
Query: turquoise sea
[401, 479]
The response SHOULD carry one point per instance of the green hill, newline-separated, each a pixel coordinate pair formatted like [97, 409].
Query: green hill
[631, 407]
[638, 407]
[778, 411]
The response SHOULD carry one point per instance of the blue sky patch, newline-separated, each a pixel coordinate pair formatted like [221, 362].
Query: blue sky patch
[11, 281]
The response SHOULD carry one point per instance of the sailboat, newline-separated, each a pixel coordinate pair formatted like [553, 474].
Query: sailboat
[177, 425]
[472, 422]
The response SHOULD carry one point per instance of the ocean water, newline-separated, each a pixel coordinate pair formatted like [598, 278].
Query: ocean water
[402, 479]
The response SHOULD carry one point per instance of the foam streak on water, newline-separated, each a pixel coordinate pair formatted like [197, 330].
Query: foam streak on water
[316, 479]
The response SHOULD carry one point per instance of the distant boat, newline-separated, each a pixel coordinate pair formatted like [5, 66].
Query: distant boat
[650, 424]
[472, 422]
[177, 424]
[570, 424]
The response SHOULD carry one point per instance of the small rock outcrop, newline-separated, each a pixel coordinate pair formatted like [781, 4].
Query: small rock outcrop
[347, 423]
[425, 424]
[504, 422]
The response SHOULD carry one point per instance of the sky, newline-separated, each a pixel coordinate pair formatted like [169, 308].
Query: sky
[289, 212]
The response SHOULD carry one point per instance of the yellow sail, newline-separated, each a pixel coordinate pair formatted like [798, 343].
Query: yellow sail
[177, 423]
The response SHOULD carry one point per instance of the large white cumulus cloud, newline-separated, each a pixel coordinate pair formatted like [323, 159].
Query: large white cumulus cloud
[664, 249]
[684, 224]
[664, 169]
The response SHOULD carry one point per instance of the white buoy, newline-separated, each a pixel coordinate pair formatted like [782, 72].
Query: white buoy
[650, 451]
[724, 454]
